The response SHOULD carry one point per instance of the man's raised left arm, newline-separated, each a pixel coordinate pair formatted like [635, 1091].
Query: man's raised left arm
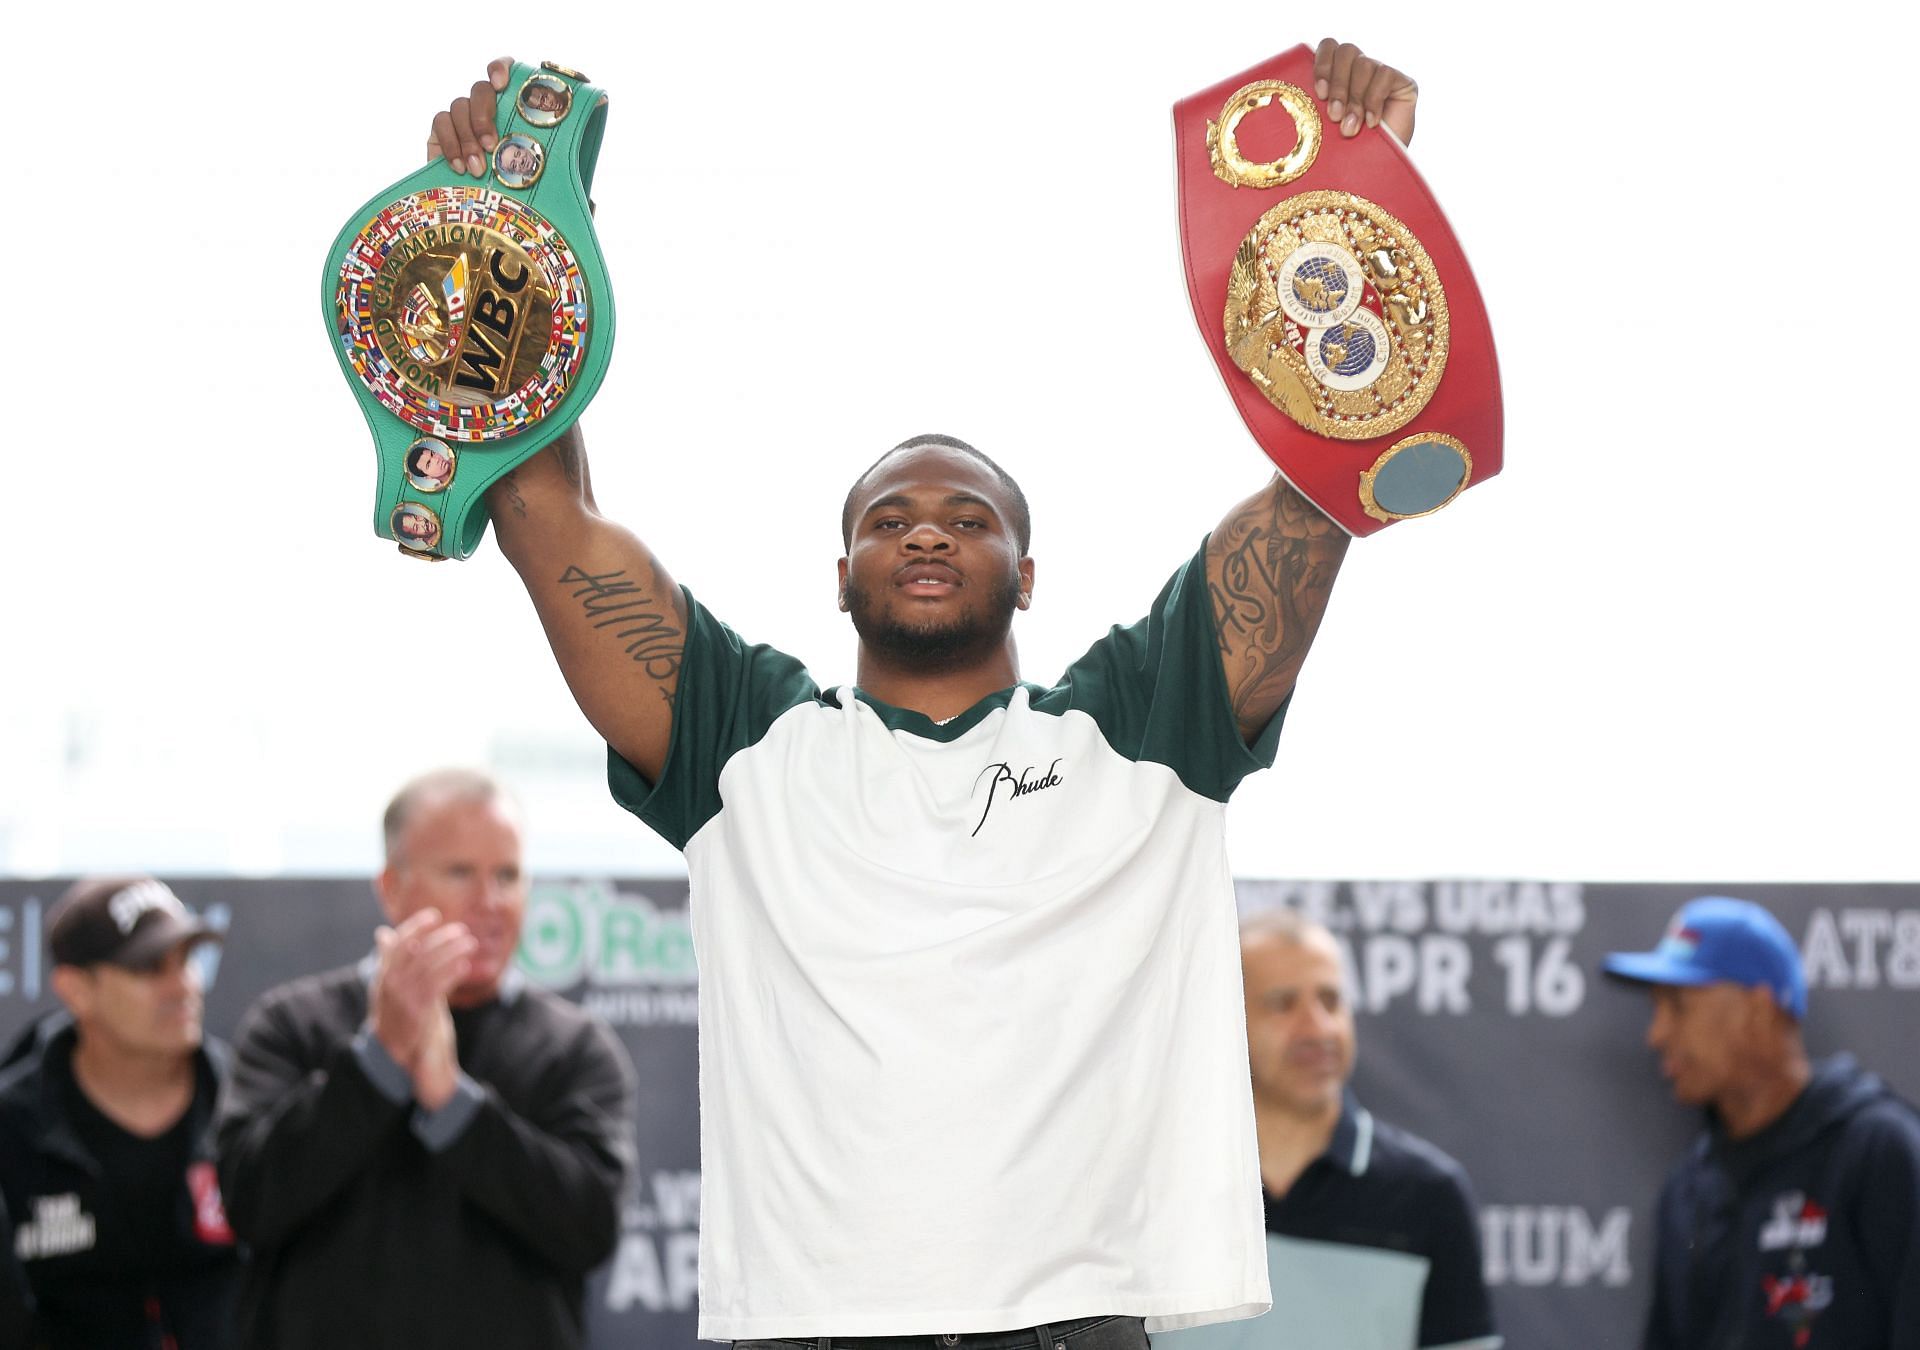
[1270, 568]
[1272, 561]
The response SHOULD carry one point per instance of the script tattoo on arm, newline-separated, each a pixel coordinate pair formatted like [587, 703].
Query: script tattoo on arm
[650, 626]
[1270, 566]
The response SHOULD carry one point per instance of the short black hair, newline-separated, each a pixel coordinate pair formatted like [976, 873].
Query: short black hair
[1021, 523]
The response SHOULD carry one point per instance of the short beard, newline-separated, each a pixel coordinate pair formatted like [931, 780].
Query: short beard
[970, 638]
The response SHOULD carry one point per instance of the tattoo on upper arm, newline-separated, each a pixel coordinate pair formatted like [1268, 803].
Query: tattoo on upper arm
[647, 624]
[1276, 563]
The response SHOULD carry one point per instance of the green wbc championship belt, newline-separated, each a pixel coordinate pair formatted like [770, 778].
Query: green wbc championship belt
[473, 318]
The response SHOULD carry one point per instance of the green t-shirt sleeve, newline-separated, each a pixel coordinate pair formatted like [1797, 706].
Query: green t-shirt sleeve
[730, 692]
[1158, 693]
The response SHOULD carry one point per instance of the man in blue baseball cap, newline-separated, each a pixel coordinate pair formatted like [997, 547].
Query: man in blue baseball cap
[1795, 1220]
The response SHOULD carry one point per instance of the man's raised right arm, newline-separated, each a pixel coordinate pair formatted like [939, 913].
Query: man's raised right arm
[616, 621]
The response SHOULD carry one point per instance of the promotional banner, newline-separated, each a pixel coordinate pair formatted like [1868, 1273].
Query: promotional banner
[1483, 1022]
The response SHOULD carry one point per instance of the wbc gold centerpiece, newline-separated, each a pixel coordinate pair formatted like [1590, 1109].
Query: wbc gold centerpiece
[463, 312]
[455, 317]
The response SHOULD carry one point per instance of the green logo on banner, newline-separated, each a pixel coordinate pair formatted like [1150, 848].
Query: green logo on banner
[588, 933]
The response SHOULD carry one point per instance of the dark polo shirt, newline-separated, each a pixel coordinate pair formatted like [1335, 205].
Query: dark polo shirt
[1374, 1247]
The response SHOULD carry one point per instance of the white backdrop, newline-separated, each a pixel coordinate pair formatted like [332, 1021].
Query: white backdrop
[1675, 639]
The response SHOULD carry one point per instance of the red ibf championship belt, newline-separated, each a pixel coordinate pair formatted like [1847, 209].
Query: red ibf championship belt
[1335, 300]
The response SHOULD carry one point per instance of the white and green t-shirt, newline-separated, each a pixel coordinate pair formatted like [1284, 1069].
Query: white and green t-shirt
[972, 1047]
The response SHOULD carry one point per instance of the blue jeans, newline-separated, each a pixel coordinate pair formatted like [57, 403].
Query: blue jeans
[1085, 1333]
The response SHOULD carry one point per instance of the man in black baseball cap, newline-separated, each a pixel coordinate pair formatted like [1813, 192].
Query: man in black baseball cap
[128, 922]
[106, 1165]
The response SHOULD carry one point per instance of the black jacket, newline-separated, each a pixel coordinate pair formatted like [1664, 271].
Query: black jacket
[362, 1236]
[1805, 1236]
[73, 1274]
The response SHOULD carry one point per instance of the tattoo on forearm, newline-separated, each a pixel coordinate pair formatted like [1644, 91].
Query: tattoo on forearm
[573, 462]
[648, 627]
[1277, 562]
[510, 485]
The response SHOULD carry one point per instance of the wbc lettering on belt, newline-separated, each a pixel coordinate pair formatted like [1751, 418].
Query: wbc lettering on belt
[463, 311]
[452, 312]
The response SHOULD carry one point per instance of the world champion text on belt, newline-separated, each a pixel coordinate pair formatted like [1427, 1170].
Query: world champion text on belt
[474, 320]
[1335, 300]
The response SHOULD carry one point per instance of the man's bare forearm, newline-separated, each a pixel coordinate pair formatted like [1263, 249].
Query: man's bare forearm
[534, 499]
[616, 621]
[1270, 568]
